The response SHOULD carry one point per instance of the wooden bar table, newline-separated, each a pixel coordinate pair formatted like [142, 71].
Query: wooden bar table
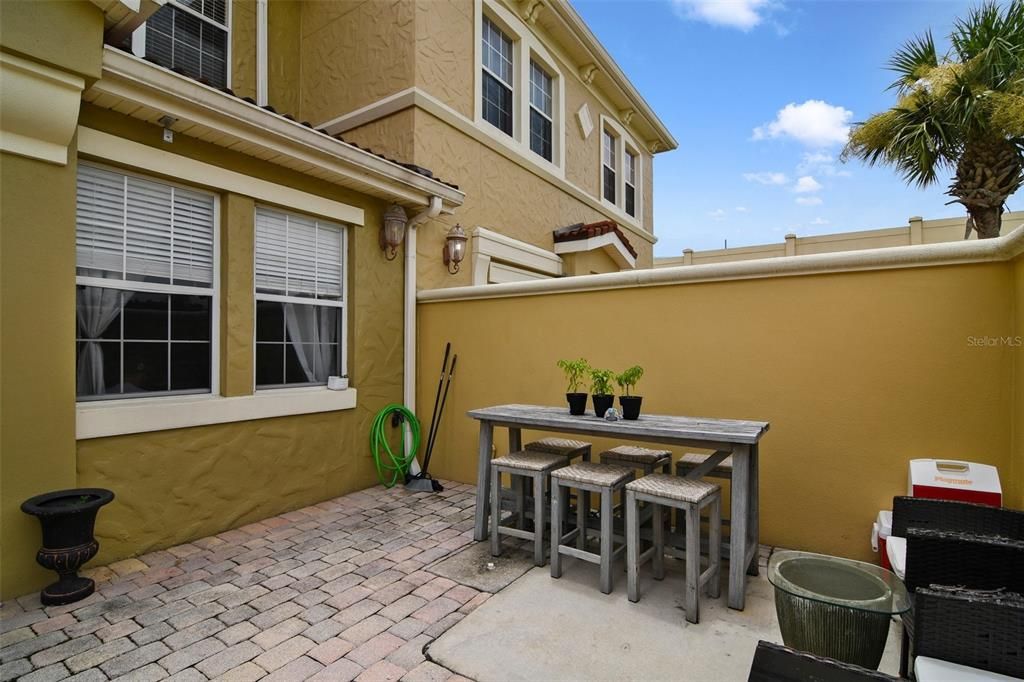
[725, 436]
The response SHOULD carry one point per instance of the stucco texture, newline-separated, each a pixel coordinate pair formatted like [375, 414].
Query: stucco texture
[353, 54]
[284, 61]
[176, 485]
[243, 47]
[444, 52]
[857, 373]
[500, 195]
[1017, 470]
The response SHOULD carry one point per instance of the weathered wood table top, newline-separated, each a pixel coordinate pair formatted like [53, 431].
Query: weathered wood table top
[649, 427]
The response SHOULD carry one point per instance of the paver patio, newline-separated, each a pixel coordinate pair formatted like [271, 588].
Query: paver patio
[341, 590]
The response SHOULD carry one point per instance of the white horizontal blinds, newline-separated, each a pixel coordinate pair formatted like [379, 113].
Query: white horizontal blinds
[298, 256]
[330, 263]
[193, 237]
[99, 234]
[271, 251]
[148, 240]
[142, 230]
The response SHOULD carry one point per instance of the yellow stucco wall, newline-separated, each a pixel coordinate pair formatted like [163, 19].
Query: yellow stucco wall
[284, 60]
[354, 53]
[243, 47]
[444, 52]
[500, 195]
[857, 373]
[1016, 499]
[37, 351]
[37, 299]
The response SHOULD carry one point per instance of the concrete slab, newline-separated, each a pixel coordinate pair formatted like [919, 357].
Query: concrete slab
[540, 628]
[470, 566]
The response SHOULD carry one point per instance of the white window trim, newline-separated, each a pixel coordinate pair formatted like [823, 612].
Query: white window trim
[129, 285]
[139, 35]
[525, 46]
[623, 143]
[143, 415]
[531, 108]
[343, 303]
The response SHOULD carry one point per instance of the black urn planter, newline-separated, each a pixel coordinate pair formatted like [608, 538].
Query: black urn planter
[602, 403]
[577, 403]
[68, 518]
[630, 406]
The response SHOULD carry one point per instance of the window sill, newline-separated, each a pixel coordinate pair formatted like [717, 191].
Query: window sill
[141, 415]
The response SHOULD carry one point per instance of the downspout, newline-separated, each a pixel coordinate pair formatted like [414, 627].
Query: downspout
[409, 377]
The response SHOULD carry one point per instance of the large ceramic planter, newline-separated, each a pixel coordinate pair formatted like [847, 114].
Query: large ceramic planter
[68, 518]
[835, 607]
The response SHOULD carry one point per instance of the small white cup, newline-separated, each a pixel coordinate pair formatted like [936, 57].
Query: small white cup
[337, 383]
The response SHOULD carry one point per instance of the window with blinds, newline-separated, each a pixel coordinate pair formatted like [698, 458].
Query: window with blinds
[300, 299]
[145, 270]
[190, 36]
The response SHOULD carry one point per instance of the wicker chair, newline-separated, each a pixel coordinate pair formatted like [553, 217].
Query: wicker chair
[980, 629]
[976, 562]
[963, 517]
[777, 663]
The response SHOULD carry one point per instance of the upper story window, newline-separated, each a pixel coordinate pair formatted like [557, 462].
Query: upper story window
[300, 299]
[630, 178]
[145, 274]
[540, 111]
[497, 77]
[608, 164]
[188, 35]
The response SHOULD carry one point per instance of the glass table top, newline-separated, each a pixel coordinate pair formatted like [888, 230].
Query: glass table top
[839, 582]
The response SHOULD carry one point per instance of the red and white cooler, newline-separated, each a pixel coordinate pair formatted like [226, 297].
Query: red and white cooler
[946, 479]
[938, 479]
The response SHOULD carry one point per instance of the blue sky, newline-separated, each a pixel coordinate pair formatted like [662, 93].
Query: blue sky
[759, 94]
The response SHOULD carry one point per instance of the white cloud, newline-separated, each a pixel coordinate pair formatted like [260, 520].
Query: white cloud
[820, 163]
[718, 214]
[741, 209]
[814, 123]
[809, 201]
[741, 14]
[767, 178]
[820, 221]
[806, 185]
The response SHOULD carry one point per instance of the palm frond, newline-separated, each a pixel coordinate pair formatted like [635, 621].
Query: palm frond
[912, 61]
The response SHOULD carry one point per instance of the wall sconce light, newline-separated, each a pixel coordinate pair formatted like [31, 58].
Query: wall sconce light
[392, 231]
[454, 248]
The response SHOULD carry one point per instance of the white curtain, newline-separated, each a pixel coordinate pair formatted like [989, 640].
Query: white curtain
[97, 308]
[311, 330]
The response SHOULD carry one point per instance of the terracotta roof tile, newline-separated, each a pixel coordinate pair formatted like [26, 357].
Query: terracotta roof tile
[580, 231]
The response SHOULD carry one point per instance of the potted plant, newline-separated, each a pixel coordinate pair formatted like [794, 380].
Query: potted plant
[68, 518]
[575, 371]
[601, 388]
[630, 403]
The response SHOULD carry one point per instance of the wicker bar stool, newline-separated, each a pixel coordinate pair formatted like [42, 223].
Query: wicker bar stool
[589, 477]
[692, 460]
[536, 466]
[690, 496]
[567, 447]
[634, 457]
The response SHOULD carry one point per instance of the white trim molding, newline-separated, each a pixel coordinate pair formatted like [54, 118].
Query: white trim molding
[262, 66]
[624, 143]
[100, 145]
[142, 415]
[610, 242]
[498, 258]
[997, 250]
[38, 109]
[149, 92]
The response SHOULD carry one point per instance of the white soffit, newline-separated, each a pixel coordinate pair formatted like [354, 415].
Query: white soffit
[611, 244]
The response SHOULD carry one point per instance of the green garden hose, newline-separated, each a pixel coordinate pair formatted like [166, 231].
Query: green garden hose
[391, 468]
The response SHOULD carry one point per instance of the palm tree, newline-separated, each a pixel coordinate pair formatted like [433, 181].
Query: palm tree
[963, 112]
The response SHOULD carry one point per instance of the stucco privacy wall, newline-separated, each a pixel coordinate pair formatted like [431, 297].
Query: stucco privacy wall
[181, 484]
[37, 277]
[857, 372]
[1018, 358]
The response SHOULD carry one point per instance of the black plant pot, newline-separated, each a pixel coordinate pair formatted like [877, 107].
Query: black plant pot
[630, 406]
[68, 518]
[602, 403]
[577, 403]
